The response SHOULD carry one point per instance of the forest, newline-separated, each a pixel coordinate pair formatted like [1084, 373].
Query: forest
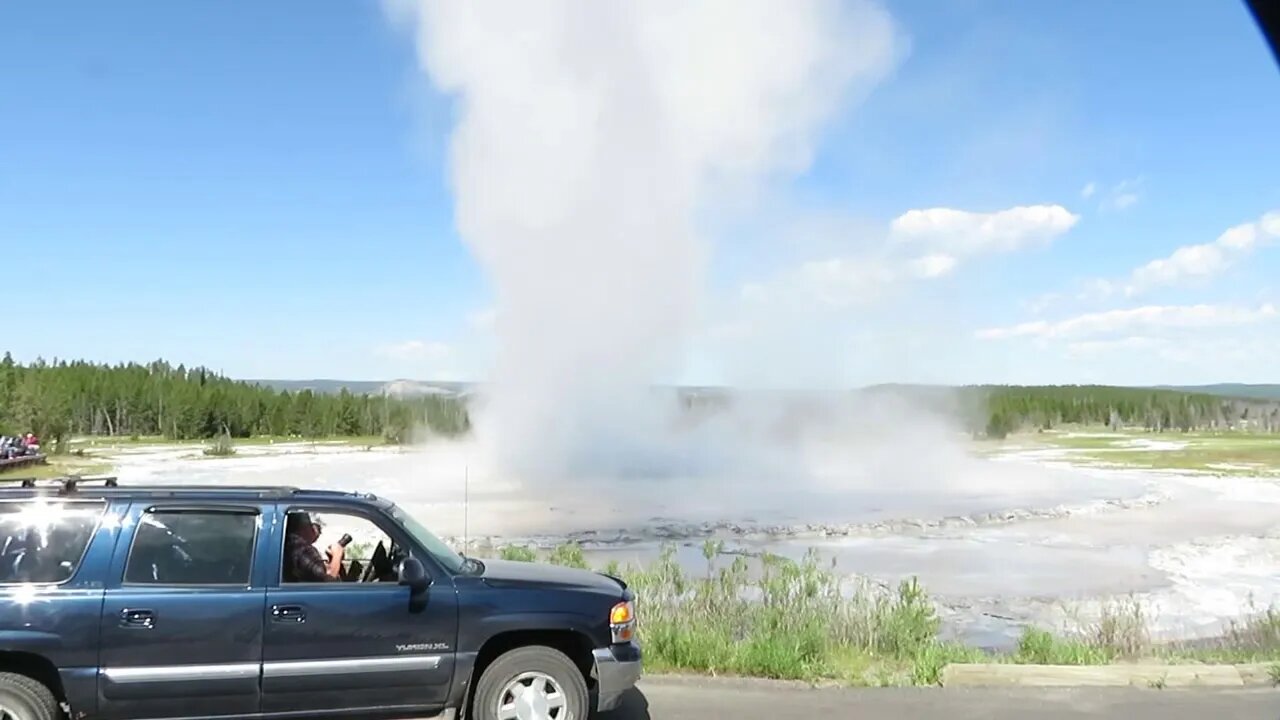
[62, 399]
[1012, 408]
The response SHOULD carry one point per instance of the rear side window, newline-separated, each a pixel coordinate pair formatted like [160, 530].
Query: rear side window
[192, 547]
[43, 540]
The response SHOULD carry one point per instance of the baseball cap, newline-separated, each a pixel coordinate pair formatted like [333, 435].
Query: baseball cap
[300, 518]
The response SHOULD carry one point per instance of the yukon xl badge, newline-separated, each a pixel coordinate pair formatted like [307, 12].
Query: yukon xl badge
[418, 647]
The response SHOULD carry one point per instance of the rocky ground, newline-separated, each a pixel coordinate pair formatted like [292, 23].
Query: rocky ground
[1022, 535]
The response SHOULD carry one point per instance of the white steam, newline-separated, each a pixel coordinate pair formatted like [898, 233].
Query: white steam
[593, 140]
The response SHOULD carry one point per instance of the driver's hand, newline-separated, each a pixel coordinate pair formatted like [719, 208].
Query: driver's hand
[336, 551]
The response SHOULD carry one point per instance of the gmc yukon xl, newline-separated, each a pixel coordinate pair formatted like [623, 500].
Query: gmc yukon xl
[177, 602]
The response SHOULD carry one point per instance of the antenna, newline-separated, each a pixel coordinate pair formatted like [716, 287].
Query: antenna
[466, 504]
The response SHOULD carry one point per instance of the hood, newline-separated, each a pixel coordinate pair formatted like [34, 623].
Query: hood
[512, 572]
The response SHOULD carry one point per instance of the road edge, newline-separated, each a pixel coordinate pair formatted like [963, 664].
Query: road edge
[1155, 676]
[1152, 675]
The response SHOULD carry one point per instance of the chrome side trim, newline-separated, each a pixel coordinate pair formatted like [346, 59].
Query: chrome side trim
[289, 668]
[181, 673]
[306, 668]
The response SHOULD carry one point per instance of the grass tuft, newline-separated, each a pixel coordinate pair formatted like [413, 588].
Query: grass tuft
[1040, 647]
[220, 447]
[800, 620]
[519, 553]
[795, 621]
[569, 555]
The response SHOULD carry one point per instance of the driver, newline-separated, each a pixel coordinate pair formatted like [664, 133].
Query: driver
[302, 562]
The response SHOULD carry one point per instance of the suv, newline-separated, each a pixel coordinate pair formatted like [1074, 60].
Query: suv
[171, 602]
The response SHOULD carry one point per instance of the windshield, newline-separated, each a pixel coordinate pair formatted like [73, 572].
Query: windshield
[427, 539]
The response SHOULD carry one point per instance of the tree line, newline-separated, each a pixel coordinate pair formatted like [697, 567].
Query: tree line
[1012, 408]
[60, 399]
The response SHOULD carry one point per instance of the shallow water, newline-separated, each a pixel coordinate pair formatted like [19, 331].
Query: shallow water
[1002, 543]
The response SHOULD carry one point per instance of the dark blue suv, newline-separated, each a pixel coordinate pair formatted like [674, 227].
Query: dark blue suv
[178, 602]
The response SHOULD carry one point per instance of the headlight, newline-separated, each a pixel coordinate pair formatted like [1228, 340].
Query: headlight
[622, 622]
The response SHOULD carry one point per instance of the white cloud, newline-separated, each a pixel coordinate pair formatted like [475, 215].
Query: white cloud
[1088, 190]
[1185, 265]
[831, 283]
[1179, 356]
[1124, 200]
[416, 350]
[961, 232]
[1150, 317]
[946, 235]
[1026, 329]
[932, 266]
[1040, 303]
[1098, 289]
[1093, 348]
[1123, 195]
[1193, 262]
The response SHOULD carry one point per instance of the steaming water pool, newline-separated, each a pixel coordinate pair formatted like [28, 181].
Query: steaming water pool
[1024, 541]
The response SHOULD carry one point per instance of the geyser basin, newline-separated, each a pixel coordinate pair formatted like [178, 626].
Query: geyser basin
[1005, 542]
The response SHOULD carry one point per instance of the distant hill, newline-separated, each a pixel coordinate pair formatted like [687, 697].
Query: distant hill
[395, 388]
[359, 387]
[1235, 390]
[932, 394]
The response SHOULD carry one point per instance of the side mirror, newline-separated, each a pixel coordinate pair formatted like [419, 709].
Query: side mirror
[414, 576]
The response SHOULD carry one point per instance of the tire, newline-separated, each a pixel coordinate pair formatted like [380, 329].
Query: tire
[27, 699]
[546, 662]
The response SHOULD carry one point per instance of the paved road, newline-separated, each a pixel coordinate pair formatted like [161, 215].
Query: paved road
[681, 699]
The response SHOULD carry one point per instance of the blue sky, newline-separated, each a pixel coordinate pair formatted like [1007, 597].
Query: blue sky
[262, 188]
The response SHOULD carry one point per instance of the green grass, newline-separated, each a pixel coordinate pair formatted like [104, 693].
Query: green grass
[518, 553]
[1255, 639]
[569, 555]
[1084, 442]
[1226, 452]
[221, 446]
[1251, 461]
[792, 621]
[1040, 647]
[58, 466]
[145, 440]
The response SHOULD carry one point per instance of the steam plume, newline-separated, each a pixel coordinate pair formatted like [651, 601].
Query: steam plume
[593, 139]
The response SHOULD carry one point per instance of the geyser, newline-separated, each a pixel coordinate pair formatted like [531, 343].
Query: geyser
[593, 143]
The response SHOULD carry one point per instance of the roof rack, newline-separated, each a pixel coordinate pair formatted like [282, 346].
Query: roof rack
[266, 491]
[73, 483]
[69, 483]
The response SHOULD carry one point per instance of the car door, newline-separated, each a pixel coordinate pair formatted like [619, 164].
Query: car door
[347, 646]
[182, 620]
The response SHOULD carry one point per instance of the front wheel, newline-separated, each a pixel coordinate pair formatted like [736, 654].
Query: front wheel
[531, 683]
[22, 698]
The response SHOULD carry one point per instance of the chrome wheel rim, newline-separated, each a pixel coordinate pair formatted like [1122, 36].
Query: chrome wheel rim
[533, 696]
[6, 713]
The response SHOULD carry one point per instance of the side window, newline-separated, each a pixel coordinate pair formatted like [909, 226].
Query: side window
[366, 553]
[192, 547]
[43, 540]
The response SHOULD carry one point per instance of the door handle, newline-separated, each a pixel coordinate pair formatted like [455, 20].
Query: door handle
[137, 618]
[288, 613]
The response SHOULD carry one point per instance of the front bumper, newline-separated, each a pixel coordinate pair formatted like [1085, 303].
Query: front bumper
[617, 668]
